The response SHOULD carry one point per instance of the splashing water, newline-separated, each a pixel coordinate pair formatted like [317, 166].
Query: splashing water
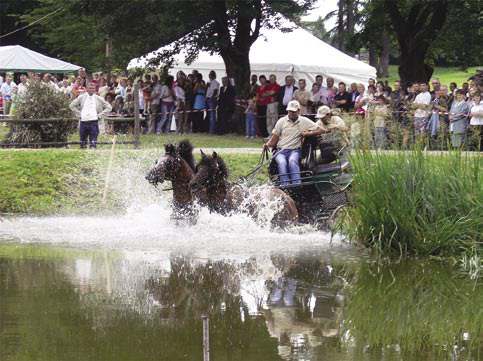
[146, 224]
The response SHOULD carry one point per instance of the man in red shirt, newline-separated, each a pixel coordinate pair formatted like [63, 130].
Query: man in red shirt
[272, 108]
[263, 99]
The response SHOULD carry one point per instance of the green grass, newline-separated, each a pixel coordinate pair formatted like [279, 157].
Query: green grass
[445, 75]
[198, 140]
[413, 203]
[63, 181]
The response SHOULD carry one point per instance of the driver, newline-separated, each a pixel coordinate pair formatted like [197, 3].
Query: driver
[287, 138]
[333, 132]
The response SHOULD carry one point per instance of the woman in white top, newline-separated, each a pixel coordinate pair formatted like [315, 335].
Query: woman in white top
[476, 114]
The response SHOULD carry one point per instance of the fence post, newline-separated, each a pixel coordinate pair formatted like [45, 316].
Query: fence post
[206, 338]
[137, 123]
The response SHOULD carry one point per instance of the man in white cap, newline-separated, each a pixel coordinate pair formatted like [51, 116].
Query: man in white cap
[334, 132]
[287, 139]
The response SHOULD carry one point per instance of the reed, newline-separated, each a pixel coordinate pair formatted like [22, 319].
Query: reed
[417, 203]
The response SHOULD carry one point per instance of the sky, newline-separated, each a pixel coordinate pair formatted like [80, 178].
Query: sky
[322, 8]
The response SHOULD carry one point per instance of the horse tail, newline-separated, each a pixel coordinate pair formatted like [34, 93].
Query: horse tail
[185, 150]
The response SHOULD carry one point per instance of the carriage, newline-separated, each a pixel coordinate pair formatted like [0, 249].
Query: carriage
[323, 191]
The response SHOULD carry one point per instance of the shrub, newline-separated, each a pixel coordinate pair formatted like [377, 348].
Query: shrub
[417, 203]
[41, 102]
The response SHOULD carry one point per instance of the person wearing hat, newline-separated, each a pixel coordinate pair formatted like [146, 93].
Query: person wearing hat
[287, 139]
[333, 132]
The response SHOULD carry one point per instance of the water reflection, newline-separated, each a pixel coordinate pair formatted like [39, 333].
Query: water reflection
[58, 304]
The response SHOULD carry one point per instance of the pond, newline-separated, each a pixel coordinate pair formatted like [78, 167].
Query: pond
[135, 287]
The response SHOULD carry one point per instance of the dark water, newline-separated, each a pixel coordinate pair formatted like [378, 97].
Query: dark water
[83, 304]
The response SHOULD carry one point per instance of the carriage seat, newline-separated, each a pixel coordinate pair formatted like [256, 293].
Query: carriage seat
[331, 167]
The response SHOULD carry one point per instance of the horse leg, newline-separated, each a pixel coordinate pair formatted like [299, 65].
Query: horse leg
[288, 215]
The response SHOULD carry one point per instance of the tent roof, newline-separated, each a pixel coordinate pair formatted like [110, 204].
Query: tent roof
[297, 52]
[18, 58]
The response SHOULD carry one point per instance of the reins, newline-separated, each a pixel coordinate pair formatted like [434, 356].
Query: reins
[264, 158]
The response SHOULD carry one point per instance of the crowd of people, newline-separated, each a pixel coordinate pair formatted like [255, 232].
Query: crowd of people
[189, 103]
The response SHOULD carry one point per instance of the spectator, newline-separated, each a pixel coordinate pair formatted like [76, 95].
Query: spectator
[65, 88]
[146, 127]
[458, 116]
[354, 93]
[103, 88]
[22, 86]
[226, 106]
[181, 115]
[253, 86]
[47, 80]
[440, 106]
[314, 102]
[399, 111]
[263, 99]
[273, 90]
[436, 85]
[6, 90]
[147, 89]
[286, 94]
[422, 106]
[343, 99]
[381, 112]
[168, 98]
[476, 121]
[323, 93]
[154, 115]
[189, 101]
[466, 88]
[77, 88]
[380, 89]
[331, 92]
[83, 77]
[250, 117]
[120, 96]
[199, 104]
[302, 95]
[360, 103]
[89, 107]
[211, 100]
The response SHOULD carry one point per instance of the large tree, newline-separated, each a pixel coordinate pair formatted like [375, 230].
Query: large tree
[416, 24]
[226, 27]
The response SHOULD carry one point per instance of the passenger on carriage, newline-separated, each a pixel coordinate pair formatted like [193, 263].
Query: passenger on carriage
[333, 134]
[287, 140]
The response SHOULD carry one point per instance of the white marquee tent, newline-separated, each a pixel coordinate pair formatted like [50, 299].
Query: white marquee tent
[275, 52]
[16, 58]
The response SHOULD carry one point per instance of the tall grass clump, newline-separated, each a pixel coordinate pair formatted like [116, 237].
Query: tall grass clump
[417, 203]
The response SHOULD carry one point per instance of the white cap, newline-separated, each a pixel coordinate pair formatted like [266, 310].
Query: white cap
[293, 106]
[322, 111]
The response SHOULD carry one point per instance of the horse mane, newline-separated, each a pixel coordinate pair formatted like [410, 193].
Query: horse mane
[213, 162]
[222, 166]
[170, 149]
[185, 151]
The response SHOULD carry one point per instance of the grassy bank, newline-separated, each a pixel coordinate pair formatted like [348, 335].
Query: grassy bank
[445, 75]
[414, 203]
[66, 181]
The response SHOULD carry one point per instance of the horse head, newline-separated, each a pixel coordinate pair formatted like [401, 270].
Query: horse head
[211, 173]
[167, 167]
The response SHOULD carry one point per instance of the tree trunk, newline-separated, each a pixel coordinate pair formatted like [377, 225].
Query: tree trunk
[412, 67]
[372, 56]
[384, 59]
[340, 25]
[238, 68]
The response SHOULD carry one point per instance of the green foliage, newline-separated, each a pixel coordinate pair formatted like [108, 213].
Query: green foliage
[417, 203]
[41, 102]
